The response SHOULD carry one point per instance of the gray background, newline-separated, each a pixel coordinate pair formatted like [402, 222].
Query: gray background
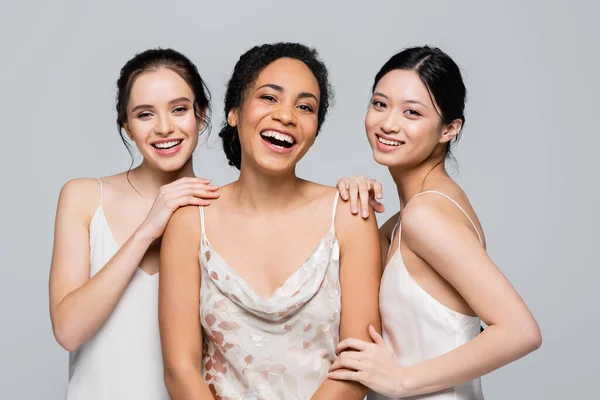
[526, 158]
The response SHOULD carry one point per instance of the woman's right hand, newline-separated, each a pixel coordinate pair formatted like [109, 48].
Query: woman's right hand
[182, 192]
[363, 190]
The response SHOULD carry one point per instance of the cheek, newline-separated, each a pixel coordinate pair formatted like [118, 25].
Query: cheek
[422, 133]
[371, 121]
[189, 124]
[308, 126]
[139, 130]
[252, 112]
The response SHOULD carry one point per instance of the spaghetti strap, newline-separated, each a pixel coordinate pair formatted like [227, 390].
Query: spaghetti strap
[392, 238]
[202, 218]
[100, 180]
[335, 203]
[457, 205]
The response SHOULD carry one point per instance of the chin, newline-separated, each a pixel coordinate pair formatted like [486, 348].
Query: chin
[385, 159]
[275, 167]
[169, 165]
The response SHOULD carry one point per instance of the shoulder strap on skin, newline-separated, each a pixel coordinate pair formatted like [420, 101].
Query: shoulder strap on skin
[100, 180]
[457, 205]
[392, 238]
[201, 217]
[335, 203]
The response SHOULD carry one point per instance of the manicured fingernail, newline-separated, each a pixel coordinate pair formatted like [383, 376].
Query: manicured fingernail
[365, 213]
[354, 209]
[379, 196]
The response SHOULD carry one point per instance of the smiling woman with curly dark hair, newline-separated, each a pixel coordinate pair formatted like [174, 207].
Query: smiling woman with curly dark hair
[281, 262]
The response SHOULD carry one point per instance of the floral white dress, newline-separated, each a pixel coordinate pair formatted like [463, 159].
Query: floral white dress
[280, 347]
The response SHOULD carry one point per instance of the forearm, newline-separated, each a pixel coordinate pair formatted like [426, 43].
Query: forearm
[83, 311]
[342, 390]
[186, 384]
[492, 349]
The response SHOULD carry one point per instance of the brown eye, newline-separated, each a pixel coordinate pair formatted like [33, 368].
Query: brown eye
[305, 107]
[413, 113]
[268, 97]
[378, 104]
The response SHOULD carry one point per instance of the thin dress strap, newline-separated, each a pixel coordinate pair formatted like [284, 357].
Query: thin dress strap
[202, 219]
[335, 203]
[392, 238]
[457, 205]
[100, 180]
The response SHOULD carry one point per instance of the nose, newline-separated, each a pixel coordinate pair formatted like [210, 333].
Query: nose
[163, 126]
[284, 113]
[391, 124]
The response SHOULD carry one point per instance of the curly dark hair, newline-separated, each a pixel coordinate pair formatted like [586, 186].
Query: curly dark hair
[245, 73]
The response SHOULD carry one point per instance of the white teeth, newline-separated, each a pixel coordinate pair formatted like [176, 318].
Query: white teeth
[167, 145]
[388, 142]
[278, 135]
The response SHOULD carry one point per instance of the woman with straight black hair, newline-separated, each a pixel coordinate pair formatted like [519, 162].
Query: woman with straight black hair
[439, 282]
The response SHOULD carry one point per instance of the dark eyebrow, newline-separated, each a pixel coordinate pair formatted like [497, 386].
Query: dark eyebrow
[305, 95]
[180, 100]
[380, 94]
[280, 89]
[415, 102]
[148, 106]
[405, 101]
[141, 106]
[272, 86]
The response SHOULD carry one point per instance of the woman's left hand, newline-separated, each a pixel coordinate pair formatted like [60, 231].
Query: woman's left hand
[371, 364]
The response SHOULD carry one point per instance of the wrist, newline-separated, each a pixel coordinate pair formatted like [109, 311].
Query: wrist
[402, 384]
[142, 235]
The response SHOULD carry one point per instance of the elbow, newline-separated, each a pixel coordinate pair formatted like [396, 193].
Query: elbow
[65, 338]
[176, 374]
[170, 381]
[532, 338]
[528, 337]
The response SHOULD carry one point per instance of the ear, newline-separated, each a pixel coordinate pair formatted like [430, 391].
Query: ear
[232, 117]
[127, 131]
[451, 130]
[201, 121]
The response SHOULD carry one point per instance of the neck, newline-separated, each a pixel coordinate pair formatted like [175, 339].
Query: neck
[257, 191]
[410, 181]
[148, 179]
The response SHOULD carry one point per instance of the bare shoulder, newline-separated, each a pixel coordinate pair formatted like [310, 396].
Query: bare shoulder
[81, 195]
[422, 211]
[81, 188]
[186, 220]
[437, 208]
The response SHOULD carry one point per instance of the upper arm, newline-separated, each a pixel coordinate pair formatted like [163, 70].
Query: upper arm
[179, 290]
[70, 267]
[360, 273]
[454, 251]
